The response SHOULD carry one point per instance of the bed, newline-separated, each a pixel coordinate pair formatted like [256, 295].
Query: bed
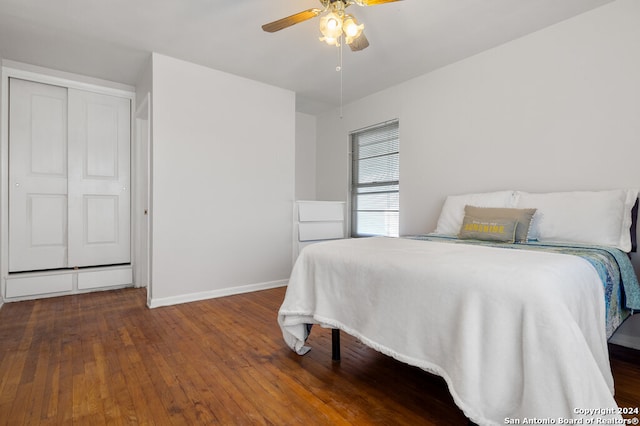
[517, 328]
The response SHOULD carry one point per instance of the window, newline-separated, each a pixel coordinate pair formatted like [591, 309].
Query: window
[375, 181]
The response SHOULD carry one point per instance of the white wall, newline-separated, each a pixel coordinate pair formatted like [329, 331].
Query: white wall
[144, 83]
[555, 110]
[223, 182]
[305, 157]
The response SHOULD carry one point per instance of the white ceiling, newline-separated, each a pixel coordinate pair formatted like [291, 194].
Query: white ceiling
[112, 39]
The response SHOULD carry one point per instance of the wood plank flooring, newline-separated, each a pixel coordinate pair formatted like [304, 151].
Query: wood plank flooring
[104, 358]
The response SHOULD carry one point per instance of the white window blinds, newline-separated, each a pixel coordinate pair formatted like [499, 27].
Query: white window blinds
[375, 181]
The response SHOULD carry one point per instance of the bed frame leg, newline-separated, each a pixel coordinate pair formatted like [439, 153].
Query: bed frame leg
[335, 344]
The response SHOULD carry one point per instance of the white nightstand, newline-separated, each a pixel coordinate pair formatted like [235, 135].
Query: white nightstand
[316, 221]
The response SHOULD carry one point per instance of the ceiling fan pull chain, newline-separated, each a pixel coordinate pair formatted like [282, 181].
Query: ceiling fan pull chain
[339, 69]
[339, 46]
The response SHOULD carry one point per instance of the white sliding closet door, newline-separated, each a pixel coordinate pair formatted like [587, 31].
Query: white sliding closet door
[37, 176]
[69, 177]
[99, 176]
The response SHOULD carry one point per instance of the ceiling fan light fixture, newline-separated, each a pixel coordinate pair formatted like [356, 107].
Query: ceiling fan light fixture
[331, 41]
[333, 24]
[331, 27]
[352, 30]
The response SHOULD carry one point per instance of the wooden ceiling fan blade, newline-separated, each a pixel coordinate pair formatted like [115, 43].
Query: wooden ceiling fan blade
[373, 2]
[359, 43]
[280, 24]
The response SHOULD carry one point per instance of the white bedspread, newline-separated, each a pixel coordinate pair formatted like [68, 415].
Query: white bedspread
[516, 334]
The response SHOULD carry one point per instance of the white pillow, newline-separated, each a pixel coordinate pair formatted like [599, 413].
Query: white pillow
[452, 213]
[586, 217]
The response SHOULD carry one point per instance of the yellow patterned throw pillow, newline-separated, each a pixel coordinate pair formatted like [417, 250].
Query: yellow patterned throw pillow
[488, 214]
[499, 230]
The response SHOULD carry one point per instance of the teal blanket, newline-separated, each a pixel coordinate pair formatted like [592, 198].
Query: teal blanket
[621, 288]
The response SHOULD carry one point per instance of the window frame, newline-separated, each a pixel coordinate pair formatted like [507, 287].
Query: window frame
[391, 127]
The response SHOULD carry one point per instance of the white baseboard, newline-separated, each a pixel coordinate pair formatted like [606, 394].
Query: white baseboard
[229, 291]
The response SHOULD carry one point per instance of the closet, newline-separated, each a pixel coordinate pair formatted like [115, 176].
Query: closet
[69, 192]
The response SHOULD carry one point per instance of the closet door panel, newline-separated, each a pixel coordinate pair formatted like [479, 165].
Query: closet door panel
[100, 214]
[37, 176]
[99, 179]
[47, 215]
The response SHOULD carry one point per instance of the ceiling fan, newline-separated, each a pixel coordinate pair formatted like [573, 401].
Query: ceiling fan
[333, 24]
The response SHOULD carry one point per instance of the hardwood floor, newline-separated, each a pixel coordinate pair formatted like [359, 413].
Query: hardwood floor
[104, 358]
